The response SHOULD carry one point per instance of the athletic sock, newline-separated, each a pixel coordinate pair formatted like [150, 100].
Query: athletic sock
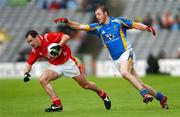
[56, 101]
[143, 92]
[159, 96]
[102, 94]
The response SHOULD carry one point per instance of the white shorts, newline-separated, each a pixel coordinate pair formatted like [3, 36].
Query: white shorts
[68, 69]
[127, 55]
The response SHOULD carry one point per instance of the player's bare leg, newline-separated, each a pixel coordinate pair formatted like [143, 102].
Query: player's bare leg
[160, 97]
[149, 88]
[46, 77]
[80, 79]
[125, 70]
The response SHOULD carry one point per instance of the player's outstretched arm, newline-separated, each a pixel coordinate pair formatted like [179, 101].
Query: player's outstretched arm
[143, 27]
[72, 24]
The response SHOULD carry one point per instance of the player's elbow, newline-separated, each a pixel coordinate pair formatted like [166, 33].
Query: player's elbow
[140, 26]
[66, 37]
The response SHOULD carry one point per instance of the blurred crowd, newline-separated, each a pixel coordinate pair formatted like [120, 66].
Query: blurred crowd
[162, 21]
[54, 5]
[77, 5]
[159, 21]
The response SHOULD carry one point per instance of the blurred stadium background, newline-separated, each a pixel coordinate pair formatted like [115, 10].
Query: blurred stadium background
[154, 55]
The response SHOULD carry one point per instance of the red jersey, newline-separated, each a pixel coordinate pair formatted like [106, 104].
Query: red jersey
[41, 51]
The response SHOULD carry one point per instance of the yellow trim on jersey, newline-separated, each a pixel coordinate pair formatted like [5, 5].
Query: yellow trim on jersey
[130, 65]
[133, 25]
[88, 28]
[123, 38]
[105, 46]
[124, 24]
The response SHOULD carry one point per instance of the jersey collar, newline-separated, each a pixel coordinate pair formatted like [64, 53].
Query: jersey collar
[110, 19]
[41, 41]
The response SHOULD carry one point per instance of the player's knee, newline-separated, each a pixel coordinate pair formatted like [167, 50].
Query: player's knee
[43, 80]
[125, 75]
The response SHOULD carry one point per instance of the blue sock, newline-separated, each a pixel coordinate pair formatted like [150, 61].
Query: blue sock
[143, 91]
[159, 96]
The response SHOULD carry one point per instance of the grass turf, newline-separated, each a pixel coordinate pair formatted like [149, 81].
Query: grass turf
[19, 99]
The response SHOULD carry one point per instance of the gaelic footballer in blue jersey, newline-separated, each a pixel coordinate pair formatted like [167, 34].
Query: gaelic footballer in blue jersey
[113, 35]
[112, 31]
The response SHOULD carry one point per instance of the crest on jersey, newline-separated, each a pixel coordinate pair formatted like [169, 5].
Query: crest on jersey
[110, 36]
[103, 32]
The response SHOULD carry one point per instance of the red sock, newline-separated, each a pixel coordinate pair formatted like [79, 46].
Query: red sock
[102, 94]
[56, 101]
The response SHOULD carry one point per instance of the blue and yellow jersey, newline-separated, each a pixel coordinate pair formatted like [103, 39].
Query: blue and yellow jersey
[113, 35]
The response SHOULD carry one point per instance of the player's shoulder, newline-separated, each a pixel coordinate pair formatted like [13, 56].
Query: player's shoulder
[124, 19]
[121, 17]
[94, 24]
[51, 35]
[116, 19]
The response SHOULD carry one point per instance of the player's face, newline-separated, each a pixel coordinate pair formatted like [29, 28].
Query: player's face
[34, 42]
[101, 16]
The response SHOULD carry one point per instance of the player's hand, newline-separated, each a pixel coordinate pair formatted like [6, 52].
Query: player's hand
[63, 20]
[151, 29]
[27, 77]
[55, 50]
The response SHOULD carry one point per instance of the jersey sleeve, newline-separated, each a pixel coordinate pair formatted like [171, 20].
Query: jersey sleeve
[32, 57]
[127, 23]
[92, 27]
[53, 37]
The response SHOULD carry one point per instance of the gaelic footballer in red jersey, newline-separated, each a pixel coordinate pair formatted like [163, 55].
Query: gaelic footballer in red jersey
[64, 64]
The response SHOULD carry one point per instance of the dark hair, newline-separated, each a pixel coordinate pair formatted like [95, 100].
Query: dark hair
[33, 33]
[103, 8]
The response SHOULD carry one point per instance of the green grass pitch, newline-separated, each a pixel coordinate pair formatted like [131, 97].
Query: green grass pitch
[19, 99]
